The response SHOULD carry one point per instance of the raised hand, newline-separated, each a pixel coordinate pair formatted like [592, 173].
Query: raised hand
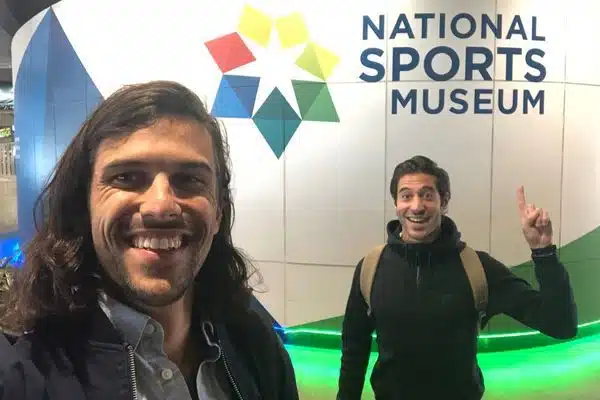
[536, 224]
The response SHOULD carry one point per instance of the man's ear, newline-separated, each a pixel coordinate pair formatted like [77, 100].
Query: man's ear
[218, 220]
[445, 202]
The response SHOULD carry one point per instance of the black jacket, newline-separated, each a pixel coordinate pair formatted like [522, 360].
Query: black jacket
[86, 358]
[426, 322]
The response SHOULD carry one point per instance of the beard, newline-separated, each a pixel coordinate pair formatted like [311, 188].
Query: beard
[178, 283]
[151, 286]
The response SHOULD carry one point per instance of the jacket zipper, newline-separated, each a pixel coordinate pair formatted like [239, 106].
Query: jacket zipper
[418, 275]
[231, 380]
[132, 377]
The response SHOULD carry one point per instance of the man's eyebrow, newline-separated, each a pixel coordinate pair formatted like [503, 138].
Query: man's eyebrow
[403, 189]
[184, 165]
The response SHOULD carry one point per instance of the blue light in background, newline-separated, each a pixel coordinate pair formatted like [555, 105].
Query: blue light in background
[10, 248]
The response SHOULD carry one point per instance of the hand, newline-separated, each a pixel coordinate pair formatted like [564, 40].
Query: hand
[536, 224]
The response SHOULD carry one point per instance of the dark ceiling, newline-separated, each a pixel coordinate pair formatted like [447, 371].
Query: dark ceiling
[21, 11]
[13, 14]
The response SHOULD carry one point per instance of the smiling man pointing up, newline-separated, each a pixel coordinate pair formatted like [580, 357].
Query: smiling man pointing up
[426, 294]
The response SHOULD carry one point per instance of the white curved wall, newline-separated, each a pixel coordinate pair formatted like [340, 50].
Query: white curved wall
[308, 216]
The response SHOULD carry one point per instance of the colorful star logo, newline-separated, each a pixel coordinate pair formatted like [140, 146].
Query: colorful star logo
[257, 83]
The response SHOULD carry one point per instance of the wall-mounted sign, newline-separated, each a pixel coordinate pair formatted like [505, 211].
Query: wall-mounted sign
[431, 43]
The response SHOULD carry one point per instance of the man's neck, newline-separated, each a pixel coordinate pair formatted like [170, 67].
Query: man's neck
[176, 320]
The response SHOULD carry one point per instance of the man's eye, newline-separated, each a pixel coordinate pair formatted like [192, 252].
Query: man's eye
[128, 179]
[188, 180]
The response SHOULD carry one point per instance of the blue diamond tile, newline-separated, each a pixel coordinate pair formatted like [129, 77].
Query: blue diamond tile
[277, 122]
[236, 96]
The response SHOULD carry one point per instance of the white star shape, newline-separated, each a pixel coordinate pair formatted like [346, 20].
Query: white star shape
[276, 68]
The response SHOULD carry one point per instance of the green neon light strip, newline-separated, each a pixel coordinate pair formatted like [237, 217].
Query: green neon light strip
[568, 370]
[292, 331]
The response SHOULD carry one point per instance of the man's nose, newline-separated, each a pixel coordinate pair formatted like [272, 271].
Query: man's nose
[417, 205]
[160, 202]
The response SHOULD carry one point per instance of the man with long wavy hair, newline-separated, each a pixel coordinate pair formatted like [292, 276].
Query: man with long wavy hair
[132, 287]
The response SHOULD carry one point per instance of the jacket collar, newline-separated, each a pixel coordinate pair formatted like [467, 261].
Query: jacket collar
[128, 321]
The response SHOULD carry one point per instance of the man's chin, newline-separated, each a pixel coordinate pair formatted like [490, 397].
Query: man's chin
[155, 294]
[422, 235]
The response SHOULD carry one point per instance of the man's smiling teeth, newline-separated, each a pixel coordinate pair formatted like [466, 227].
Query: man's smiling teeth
[417, 219]
[155, 243]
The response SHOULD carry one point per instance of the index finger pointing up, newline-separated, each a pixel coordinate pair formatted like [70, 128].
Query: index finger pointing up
[521, 199]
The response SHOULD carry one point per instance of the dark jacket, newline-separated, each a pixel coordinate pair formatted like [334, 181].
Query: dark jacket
[86, 358]
[426, 322]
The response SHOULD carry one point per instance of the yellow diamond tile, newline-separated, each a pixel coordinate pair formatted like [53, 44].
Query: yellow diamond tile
[318, 61]
[255, 25]
[292, 30]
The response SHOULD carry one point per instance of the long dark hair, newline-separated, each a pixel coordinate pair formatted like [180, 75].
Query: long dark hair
[60, 275]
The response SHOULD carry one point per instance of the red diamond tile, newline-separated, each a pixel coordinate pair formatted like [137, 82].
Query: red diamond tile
[229, 52]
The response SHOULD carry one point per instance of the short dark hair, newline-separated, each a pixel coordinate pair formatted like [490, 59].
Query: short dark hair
[60, 275]
[424, 165]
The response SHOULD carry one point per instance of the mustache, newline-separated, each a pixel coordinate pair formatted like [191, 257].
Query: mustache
[195, 229]
[152, 221]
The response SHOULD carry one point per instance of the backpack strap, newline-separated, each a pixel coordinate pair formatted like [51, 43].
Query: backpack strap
[470, 261]
[367, 273]
[477, 279]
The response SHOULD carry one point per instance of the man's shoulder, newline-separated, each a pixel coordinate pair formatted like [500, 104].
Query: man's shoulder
[20, 374]
[254, 326]
[50, 336]
[9, 354]
[24, 344]
[255, 338]
[7, 340]
[258, 343]
[9, 335]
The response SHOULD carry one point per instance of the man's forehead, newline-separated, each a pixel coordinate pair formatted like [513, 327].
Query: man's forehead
[417, 188]
[166, 143]
[417, 182]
